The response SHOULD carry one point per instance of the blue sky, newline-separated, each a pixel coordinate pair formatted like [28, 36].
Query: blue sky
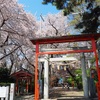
[37, 8]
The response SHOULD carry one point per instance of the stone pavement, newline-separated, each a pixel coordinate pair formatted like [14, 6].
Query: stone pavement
[59, 93]
[64, 94]
[25, 97]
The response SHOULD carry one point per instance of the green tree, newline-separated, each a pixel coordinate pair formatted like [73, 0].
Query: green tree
[77, 78]
[90, 17]
[66, 5]
[90, 22]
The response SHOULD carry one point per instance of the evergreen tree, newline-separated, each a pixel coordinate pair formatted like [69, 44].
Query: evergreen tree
[90, 22]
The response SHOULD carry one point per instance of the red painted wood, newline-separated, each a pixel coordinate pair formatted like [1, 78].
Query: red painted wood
[36, 74]
[68, 38]
[21, 73]
[65, 52]
[72, 38]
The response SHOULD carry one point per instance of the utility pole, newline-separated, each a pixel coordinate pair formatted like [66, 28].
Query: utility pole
[41, 19]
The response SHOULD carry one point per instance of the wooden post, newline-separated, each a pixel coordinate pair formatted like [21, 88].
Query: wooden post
[27, 85]
[36, 74]
[30, 84]
[16, 86]
[97, 67]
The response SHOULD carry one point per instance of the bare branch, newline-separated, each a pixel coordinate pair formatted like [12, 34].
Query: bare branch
[27, 59]
[54, 27]
[10, 53]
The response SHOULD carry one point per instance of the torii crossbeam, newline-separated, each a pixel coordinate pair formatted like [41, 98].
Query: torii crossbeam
[71, 38]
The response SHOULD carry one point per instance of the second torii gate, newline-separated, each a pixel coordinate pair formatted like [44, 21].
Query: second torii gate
[63, 39]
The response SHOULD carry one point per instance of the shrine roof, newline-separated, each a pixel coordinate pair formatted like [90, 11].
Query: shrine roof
[22, 73]
[68, 38]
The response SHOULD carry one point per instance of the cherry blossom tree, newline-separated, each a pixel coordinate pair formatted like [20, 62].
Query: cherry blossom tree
[53, 25]
[16, 26]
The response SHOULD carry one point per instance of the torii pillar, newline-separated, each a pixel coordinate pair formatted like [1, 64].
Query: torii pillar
[84, 76]
[46, 78]
[73, 38]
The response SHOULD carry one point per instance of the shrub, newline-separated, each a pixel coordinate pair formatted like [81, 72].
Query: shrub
[5, 76]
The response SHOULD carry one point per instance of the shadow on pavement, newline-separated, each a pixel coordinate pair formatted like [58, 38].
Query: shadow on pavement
[65, 94]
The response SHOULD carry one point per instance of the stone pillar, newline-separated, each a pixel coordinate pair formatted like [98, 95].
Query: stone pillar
[46, 78]
[84, 76]
[11, 91]
[58, 67]
[40, 79]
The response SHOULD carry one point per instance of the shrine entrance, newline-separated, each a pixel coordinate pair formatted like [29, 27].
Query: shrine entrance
[67, 39]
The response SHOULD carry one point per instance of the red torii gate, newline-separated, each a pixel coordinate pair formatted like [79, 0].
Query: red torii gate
[63, 39]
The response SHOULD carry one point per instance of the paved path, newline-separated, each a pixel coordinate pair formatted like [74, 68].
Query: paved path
[59, 93]
[65, 94]
[25, 97]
